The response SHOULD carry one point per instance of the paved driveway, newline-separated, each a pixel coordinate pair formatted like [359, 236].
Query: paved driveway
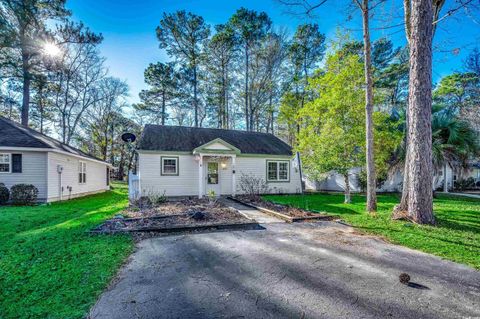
[309, 270]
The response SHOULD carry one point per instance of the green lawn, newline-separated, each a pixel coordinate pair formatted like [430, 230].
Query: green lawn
[456, 237]
[49, 266]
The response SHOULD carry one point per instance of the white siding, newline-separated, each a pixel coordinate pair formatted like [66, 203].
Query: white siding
[258, 167]
[187, 184]
[151, 180]
[96, 177]
[34, 166]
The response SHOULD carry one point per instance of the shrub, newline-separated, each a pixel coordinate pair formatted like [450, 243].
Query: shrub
[155, 198]
[252, 185]
[23, 194]
[464, 184]
[4, 194]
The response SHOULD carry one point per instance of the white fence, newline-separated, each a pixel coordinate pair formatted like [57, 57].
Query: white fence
[133, 186]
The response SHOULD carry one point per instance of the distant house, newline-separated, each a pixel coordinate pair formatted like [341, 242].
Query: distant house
[189, 161]
[58, 171]
[335, 182]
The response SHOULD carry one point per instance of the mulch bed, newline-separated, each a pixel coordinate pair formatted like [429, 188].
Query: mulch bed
[287, 210]
[289, 213]
[171, 216]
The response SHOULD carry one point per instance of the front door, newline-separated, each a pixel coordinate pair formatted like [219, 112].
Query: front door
[213, 179]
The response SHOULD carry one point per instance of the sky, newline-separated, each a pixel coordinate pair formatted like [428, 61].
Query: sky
[130, 44]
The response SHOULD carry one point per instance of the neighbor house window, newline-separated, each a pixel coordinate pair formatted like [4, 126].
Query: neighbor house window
[169, 165]
[278, 171]
[5, 163]
[82, 172]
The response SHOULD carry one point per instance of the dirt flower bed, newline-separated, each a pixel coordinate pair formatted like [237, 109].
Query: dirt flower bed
[173, 214]
[287, 210]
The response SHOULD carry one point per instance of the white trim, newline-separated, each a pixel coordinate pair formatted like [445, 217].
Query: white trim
[82, 169]
[53, 150]
[162, 158]
[9, 164]
[278, 171]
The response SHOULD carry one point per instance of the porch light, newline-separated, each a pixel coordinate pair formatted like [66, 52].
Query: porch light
[197, 157]
[223, 165]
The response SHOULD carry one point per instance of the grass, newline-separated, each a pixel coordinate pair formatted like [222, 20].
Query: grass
[49, 266]
[456, 237]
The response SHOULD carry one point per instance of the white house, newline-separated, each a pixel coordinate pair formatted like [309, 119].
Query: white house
[335, 182]
[57, 170]
[189, 161]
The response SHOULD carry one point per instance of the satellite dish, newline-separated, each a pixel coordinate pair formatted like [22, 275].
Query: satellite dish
[128, 137]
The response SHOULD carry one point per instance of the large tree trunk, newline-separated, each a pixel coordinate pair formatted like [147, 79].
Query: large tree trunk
[26, 88]
[163, 107]
[370, 161]
[420, 195]
[348, 199]
[246, 89]
[195, 101]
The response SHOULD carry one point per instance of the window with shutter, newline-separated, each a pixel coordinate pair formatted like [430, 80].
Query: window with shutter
[16, 163]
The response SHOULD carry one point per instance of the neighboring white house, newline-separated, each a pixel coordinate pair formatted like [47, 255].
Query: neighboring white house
[188, 161]
[58, 171]
[335, 182]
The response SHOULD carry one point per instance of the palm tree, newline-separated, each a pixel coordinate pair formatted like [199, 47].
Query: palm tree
[454, 142]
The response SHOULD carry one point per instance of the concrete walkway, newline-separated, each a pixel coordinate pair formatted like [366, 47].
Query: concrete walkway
[250, 212]
[299, 270]
[462, 194]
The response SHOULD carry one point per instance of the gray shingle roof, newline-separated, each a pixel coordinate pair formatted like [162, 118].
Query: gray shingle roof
[16, 135]
[186, 139]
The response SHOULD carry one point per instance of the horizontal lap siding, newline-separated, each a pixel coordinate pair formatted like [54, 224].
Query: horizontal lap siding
[151, 180]
[34, 166]
[258, 167]
[186, 183]
[96, 176]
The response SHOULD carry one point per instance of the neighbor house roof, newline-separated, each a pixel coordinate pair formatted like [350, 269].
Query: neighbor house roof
[186, 139]
[13, 134]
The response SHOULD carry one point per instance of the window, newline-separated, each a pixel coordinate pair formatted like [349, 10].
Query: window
[169, 165]
[5, 163]
[82, 172]
[212, 173]
[16, 163]
[278, 171]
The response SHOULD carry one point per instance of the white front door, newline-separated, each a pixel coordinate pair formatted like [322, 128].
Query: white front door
[212, 180]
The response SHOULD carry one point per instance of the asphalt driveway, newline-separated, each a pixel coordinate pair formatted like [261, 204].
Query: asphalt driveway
[308, 270]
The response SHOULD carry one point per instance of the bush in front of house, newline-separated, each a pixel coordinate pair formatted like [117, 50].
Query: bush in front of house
[23, 194]
[4, 194]
[464, 184]
[252, 185]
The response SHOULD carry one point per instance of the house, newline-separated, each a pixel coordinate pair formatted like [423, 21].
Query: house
[57, 170]
[335, 182]
[189, 161]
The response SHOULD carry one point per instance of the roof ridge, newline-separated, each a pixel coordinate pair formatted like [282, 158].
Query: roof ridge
[210, 128]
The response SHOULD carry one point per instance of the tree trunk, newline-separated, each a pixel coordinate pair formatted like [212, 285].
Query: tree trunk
[26, 88]
[163, 107]
[246, 88]
[420, 195]
[370, 161]
[195, 102]
[445, 181]
[348, 199]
